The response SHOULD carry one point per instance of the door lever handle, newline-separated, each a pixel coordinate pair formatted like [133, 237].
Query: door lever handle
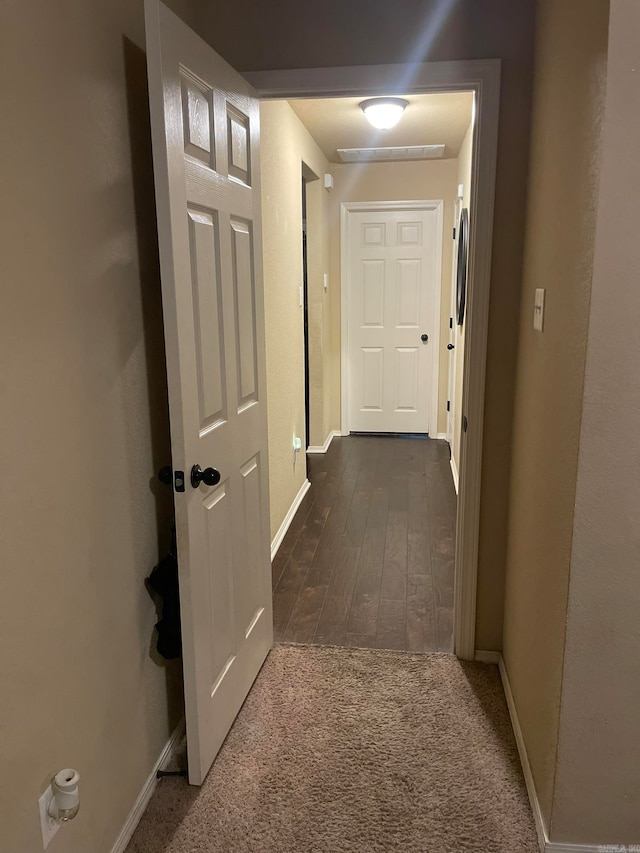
[451, 346]
[210, 476]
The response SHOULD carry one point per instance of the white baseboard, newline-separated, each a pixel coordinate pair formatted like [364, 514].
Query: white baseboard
[484, 656]
[541, 829]
[286, 522]
[561, 847]
[322, 448]
[454, 472]
[546, 846]
[146, 793]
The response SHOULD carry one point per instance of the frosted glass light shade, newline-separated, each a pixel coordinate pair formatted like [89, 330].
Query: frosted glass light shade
[383, 113]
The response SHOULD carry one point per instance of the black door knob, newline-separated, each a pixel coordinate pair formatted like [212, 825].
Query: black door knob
[424, 338]
[210, 476]
[450, 346]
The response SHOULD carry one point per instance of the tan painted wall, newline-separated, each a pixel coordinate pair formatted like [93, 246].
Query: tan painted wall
[83, 379]
[399, 182]
[463, 177]
[286, 144]
[84, 421]
[569, 85]
[294, 36]
[597, 791]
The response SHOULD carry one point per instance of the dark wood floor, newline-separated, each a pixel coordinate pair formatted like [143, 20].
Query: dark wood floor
[369, 558]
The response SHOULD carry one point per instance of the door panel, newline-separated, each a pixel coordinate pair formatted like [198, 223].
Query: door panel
[372, 378]
[372, 300]
[244, 296]
[408, 283]
[197, 108]
[407, 369]
[205, 135]
[238, 145]
[217, 506]
[393, 272]
[409, 233]
[207, 315]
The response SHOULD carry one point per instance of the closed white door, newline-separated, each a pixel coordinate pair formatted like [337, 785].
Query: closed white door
[205, 148]
[394, 289]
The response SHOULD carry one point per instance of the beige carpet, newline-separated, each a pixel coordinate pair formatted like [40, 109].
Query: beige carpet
[355, 750]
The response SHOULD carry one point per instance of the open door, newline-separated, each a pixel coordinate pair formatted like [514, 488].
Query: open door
[451, 388]
[205, 130]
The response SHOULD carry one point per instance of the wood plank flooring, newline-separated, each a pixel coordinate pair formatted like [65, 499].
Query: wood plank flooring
[369, 558]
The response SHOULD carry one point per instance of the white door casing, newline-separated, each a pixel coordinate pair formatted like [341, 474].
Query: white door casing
[451, 386]
[393, 283]
[205, 132]
[482, 77]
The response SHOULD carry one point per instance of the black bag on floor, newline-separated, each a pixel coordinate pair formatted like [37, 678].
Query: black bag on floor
[164, 581]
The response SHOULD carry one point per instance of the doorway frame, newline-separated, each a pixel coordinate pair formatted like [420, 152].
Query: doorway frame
[482, 77]
[305, 317]
[347, 207]
[457, 207]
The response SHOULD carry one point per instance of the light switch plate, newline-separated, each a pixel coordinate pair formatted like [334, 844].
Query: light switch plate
[538, 309]
[301, 297]
[325, 281]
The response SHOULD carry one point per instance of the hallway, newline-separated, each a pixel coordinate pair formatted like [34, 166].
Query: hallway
[369, 558]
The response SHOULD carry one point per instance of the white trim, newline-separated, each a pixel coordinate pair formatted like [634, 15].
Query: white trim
[346, 208]
[483, 178]
[483, 78]
[487, 656]
[440, 435]
[286, 522]
[546, 846]
[344, 325]
[541, 830]
[322, 448]
[141, 803]
[451, 384]
[342, 81]
[454, 473]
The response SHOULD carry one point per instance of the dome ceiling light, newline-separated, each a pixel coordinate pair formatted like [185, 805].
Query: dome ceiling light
[383, 113]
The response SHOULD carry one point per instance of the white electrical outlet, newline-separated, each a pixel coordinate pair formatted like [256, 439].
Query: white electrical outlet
[48, 825]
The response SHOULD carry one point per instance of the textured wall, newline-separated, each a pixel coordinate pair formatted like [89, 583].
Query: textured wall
[399, 182]
[286, 145]
[568, 101]
[597, 790]
[84, 421]
[331, 32]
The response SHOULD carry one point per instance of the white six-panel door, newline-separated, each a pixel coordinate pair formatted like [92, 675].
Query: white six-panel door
[205, 145]
[393, 258]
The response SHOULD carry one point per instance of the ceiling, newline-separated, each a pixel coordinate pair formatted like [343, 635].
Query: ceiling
[432, 119]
